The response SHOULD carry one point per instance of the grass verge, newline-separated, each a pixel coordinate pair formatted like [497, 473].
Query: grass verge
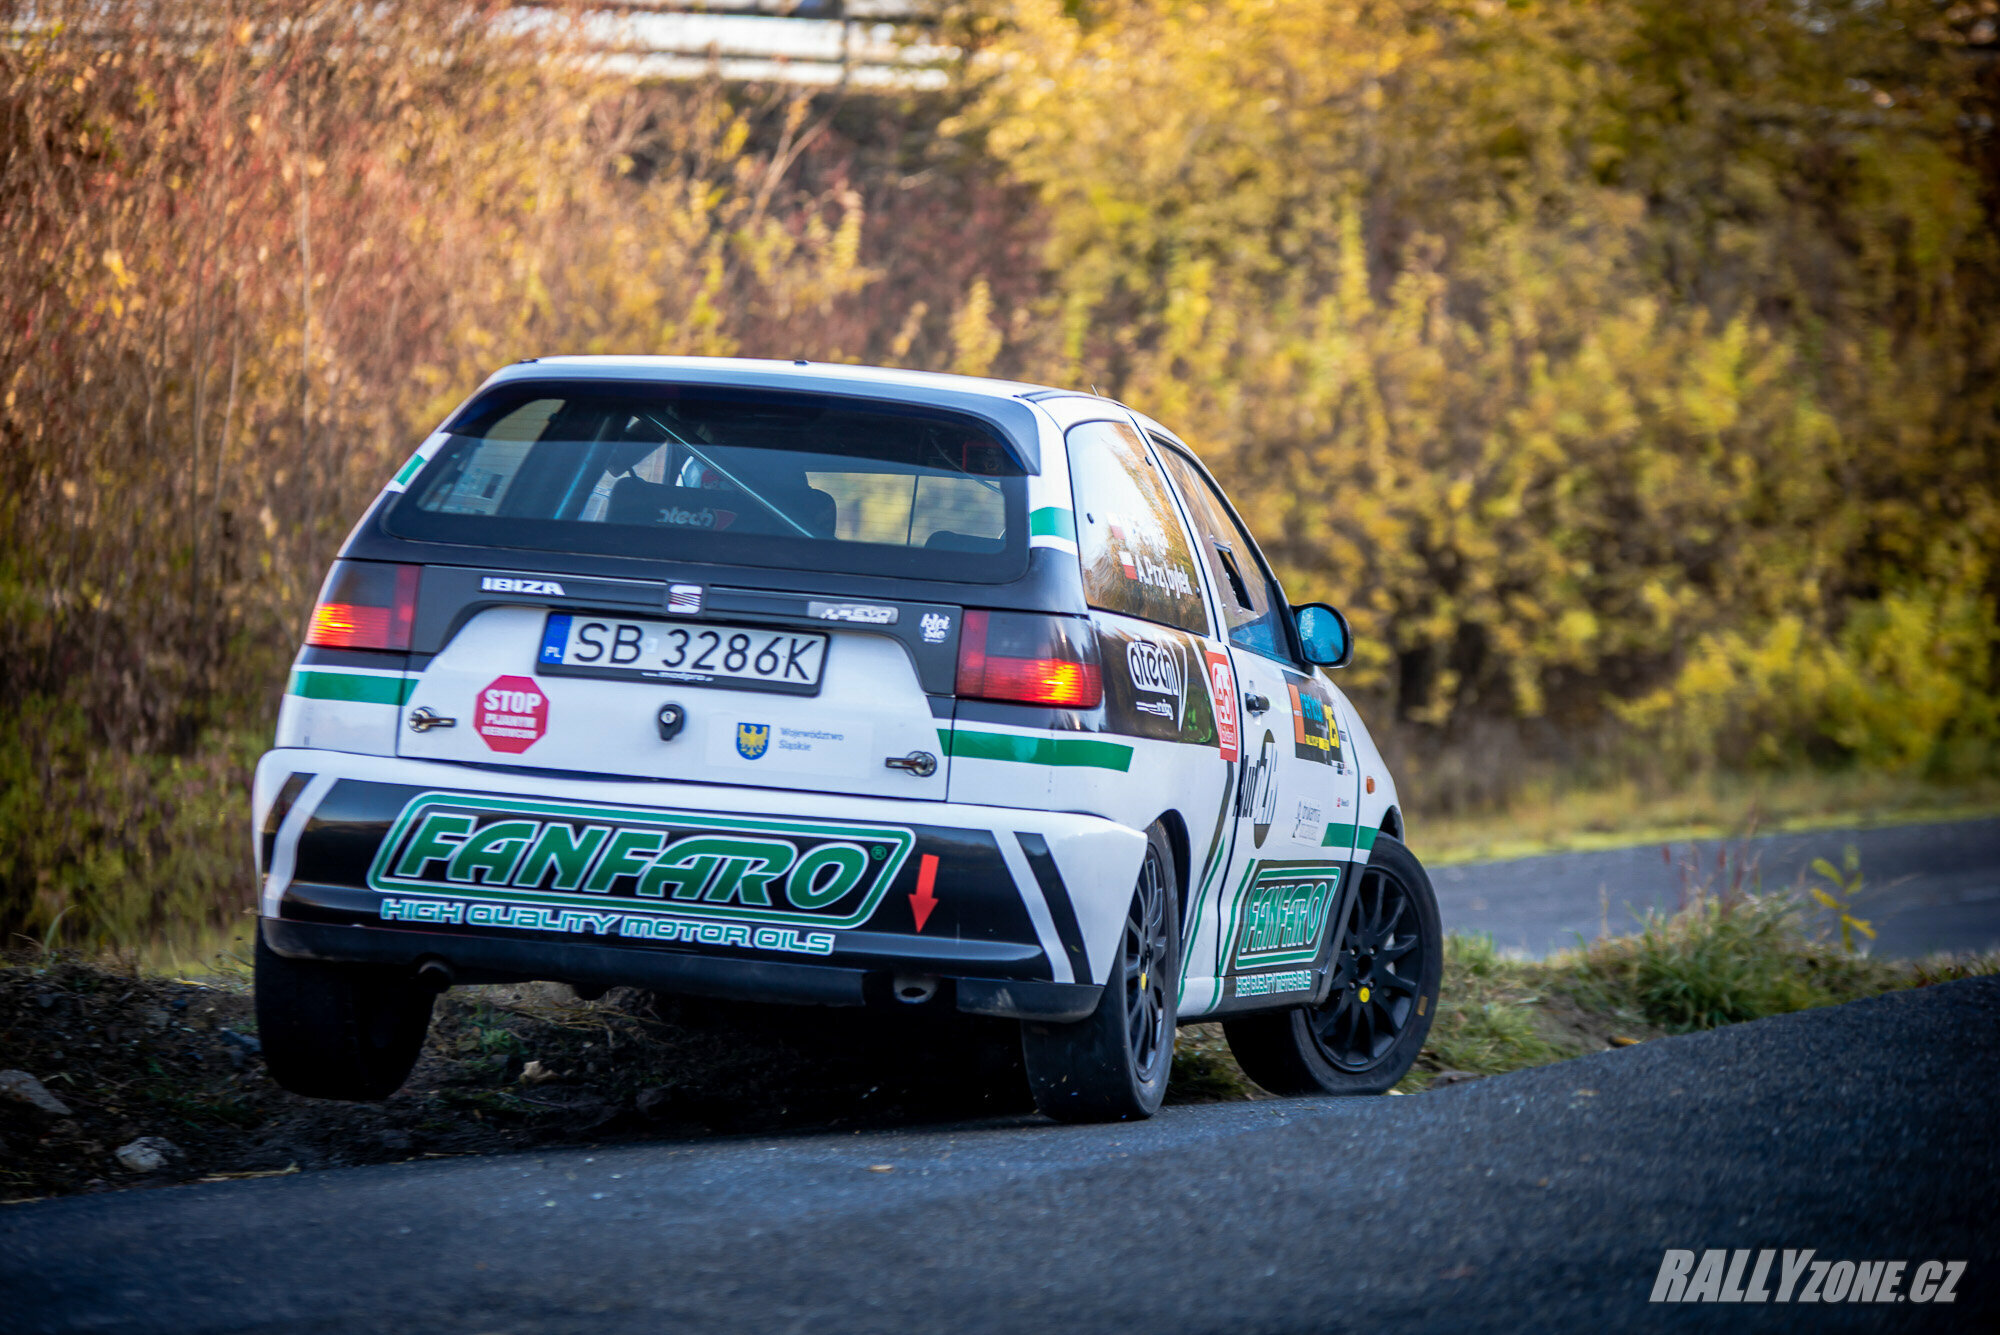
[1568, 815]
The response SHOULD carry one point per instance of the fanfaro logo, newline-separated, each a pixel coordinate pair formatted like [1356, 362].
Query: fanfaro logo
[1156, 670]
[512, 584]
[794, 873]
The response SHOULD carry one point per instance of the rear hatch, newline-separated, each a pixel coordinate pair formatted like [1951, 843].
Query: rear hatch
[704, 678]
[766, 689]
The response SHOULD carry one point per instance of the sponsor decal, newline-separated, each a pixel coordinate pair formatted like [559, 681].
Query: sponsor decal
[509, 584]
[935, 626]
[1309, 825]
[644, 926]
[1156, 671]
[1315, 733]
[752, 739]
[706, 517]
[860, 614]
[1222, 688]
[1272, 984]
[1259, 792]
[563, 855]
[803, 739]
[1720, 1277]
[1282, 915]
[511, 714]
[684, 599]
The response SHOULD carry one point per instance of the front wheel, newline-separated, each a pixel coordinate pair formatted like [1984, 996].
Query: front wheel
[1113, 1065]
[1388, 961]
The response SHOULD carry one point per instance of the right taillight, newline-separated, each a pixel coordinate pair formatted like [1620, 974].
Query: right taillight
[1029, 658]
[365, 605]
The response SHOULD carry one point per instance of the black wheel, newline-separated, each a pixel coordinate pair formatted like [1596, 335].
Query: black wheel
[338, 1031]
[1388, 961]
[1113, 1065]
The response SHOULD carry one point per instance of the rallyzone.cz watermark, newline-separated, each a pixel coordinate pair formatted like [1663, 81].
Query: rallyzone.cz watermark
[1719, 1278]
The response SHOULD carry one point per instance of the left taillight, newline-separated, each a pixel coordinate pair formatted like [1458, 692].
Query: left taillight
[365, 605]
[1029, 658]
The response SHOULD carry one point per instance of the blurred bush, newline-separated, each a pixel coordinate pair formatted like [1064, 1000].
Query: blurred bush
[250, 253]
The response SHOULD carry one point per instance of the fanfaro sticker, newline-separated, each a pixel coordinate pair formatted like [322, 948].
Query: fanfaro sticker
[568, 856]
[1281, 915]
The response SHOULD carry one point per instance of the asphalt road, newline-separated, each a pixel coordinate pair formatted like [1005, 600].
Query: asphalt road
[1929, 887]
[1542, 1200]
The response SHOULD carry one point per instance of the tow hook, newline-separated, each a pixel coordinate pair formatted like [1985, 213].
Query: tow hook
[920, 763]
[423, 718]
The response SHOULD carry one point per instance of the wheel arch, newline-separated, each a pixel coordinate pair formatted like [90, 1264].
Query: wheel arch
[1175, 825]
[1392, 823]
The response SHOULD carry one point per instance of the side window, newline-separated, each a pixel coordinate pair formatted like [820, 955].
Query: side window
[1250, 602]
[1135, 553]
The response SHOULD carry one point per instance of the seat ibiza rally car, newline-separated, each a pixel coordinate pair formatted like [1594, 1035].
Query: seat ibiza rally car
[833, 686]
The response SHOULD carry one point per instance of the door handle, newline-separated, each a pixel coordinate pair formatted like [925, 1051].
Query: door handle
[1255, 703]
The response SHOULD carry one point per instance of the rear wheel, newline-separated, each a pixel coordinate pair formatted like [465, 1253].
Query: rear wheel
[338, 1031]
[1113, 1065]
[1388, 960]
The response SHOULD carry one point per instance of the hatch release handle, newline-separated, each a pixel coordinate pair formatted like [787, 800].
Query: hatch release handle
[920, 763]
[423, 718]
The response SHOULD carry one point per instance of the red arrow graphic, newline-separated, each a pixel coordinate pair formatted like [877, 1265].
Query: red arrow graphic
[922, 902]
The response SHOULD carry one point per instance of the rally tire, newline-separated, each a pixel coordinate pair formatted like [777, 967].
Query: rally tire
[338, 1031]
[1388, 949]
[1113, 1065]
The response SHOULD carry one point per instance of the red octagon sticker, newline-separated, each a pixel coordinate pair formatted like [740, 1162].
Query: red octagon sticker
[512, 714]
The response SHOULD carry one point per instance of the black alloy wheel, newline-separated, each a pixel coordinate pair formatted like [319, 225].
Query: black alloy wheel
[1113, 1064]
[1377, 974]
[1148, 966]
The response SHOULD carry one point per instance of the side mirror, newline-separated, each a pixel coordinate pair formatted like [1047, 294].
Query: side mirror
[1324, 635]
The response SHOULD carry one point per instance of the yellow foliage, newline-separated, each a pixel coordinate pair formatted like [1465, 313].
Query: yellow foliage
[1591, 353]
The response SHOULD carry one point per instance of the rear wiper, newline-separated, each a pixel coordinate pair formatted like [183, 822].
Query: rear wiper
[729, 477]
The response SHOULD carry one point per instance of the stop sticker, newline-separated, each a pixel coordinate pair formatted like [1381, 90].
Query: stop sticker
[512, 714]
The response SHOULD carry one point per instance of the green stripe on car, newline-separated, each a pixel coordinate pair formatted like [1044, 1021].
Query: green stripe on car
[353, 687]
[1342, 836]
[1052, 521]
[1075, 751]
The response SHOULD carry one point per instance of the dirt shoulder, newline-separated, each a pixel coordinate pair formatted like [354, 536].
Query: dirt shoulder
[131, 1058]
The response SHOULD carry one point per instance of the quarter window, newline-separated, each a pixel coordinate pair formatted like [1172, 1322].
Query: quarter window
[1136, 555]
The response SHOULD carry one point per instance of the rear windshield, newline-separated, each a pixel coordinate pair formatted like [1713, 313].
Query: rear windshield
[736, 477]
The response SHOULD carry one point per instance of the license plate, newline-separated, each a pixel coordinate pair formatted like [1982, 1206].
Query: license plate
[704, 654]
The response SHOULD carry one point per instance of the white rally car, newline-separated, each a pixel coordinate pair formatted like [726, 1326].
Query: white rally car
[835, 686]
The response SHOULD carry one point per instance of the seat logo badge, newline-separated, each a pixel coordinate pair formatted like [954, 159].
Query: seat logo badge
[752, 739]
[510, 584]
[684, 599]
[935, 626]
[860, 614]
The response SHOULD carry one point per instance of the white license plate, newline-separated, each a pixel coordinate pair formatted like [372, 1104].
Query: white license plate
[701, 653]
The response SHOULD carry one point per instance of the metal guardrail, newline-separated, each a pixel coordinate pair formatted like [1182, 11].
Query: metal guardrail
[876, 43]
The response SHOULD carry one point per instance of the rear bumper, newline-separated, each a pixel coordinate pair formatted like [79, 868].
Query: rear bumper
[490, 959]
[1017, 911]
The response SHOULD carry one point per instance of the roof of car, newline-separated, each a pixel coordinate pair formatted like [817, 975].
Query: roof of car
[773, 374]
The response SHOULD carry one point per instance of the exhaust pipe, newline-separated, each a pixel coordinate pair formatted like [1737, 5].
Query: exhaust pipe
[914, 988]
[435, 975]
